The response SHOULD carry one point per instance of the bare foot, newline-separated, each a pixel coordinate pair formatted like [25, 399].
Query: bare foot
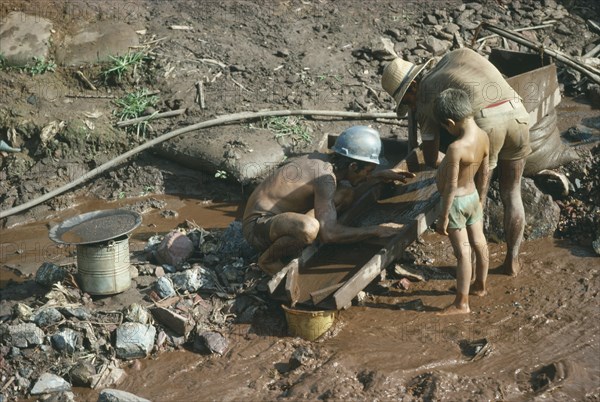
[454, 309]
[510, 268]
[478, 290]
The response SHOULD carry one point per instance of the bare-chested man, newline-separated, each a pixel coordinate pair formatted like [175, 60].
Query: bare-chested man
[461, 175]
[299, 202]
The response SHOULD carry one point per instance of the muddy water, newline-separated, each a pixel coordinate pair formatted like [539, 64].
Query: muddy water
[24, 248]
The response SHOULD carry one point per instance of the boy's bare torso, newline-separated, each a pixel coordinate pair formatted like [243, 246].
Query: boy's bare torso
[470, 150]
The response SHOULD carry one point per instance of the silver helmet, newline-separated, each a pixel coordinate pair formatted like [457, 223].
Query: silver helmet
[359, 142]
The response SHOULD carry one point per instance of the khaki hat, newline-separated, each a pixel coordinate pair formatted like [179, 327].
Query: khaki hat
[396, 79]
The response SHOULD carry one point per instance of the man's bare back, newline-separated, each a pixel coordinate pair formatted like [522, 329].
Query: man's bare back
[291, 188]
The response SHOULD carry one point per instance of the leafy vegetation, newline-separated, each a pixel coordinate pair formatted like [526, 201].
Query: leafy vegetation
[133, 105]
[122, 64]
[287, 126]
[40, 66]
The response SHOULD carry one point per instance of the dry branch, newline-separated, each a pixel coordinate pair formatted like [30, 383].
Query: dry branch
[563, 58]
[153, 116]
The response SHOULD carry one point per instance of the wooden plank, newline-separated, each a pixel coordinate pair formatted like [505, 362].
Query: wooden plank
[351, 267]
[292, 290]
[394, 249]
[277, 279]
[319, 295]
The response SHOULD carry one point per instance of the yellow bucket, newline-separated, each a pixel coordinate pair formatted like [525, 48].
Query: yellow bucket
[308, 325]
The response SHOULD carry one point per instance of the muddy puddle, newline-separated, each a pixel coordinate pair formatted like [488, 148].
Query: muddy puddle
[24, 248]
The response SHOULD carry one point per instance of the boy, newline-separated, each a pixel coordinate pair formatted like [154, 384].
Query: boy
[460, 178]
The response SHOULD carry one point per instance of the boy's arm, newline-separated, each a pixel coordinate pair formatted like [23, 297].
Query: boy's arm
[482, 179]
[450, 175]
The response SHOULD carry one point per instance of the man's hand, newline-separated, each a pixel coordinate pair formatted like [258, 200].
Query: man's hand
[388, 229]
[442, 225]
[394, 174]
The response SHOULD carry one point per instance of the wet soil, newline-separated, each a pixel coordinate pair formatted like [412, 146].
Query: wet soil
[393, 348]
[541, 327]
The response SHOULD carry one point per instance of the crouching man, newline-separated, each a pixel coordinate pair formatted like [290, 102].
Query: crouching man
[299, 202]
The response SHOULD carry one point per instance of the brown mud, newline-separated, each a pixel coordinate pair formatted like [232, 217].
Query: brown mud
[390, 348]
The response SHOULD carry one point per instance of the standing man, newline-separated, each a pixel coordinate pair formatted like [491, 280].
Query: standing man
[499, 112]
[299, 202]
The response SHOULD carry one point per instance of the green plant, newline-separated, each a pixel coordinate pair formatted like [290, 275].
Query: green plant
[121, 64]
[40, 66]
[2, 61]
[132, 106]
[147, 190]
[287, 126]
[336, 77]
[221, 174]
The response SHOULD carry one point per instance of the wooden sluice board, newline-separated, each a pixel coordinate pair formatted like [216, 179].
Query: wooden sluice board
[330, 276]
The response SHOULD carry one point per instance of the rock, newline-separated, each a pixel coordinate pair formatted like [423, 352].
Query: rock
[134, 340]
[24, 37]
[164, 287]
[170, 319]
[395, 33]
[541, 213]
[233, 244]
[82, 374]
[596, 245]
[452, 28]
[65, 340]
[174, 249]
[79, 312]
[554, 183]
[25, 335]
[430, 19]
[301, 356]
[466, 21]
[47, 316]
[110, 375]
[95, 43]
[213, 342]
[191, 280]
[234, 272]
[115, 395]
[593, 92]
[22, 311]
[282, 53]
[437, 46]
[48, 274]
[383, 49]
[48, 383]
[137, 313]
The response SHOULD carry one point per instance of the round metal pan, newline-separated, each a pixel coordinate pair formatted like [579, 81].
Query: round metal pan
[95, 227]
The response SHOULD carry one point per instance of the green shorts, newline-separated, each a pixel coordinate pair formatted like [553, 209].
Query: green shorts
[465, 211]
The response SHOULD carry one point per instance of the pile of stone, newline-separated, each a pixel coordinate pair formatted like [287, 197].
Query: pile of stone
[580, 209]
[195, 286]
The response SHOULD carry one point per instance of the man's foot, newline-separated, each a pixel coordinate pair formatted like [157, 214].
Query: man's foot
[511, 268]
[454, 309]
[477, 289]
